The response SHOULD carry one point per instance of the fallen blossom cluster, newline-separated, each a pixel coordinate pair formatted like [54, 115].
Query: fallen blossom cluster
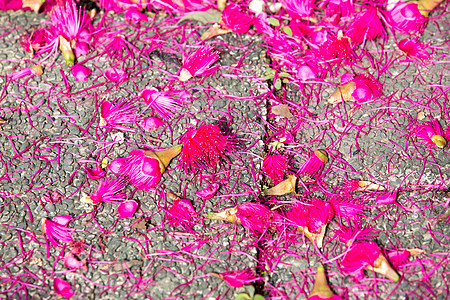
[246, 149]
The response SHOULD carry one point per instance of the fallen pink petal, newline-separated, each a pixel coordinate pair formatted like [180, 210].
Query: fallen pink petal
[62, 288]
[224, 149]
[127, 209]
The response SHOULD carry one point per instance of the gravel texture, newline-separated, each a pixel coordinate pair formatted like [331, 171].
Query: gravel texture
[51, 134]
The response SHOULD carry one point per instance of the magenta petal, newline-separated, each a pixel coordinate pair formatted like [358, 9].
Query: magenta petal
[387, 198]
[208, 192]
[151, 123]
[62, 220]
[115, 165]
[95, 173]
[306, 73]
[63, 288]
[71, 262]
[80, 72]
[127, 209]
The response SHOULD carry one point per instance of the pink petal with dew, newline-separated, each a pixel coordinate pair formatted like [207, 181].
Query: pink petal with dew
[72, 263]
[95, 173]
[80, 72]
[62, 288]
[209, 192]
[127, 209]
[151, 123]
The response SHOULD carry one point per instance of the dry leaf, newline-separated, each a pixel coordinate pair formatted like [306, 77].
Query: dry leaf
[209, 16]
[282, 111]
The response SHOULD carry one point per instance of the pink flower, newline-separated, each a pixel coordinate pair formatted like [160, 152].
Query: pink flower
[80, 72]
[56, 229]
[113, 74]
[405, 17]
[108, 190]
[275, 166]
[346, 207]
[312, 219]
[67, 25]
[36, 70]
[166, 104]
[238, 278]
[387, 198]
[255, 217]
[366, 26]
[54, 197]
[398, 258]
[151, 123]
[62, 288]
[315, 164]
[32, 42]
[114, 115]
[430, 134]
[299, 8]
[366, 88]
[127, 209]
[73, 263]
[95, 173]
[203, 148]
[199, 63]
[144, 168]
[209, 192]
[412, 48]
[335, 50]
[235, 20]
[355, 231]
[367, 255]
[181, 214]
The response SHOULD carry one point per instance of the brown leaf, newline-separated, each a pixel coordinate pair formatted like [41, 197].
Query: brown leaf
[142, 224]
[282, 111]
